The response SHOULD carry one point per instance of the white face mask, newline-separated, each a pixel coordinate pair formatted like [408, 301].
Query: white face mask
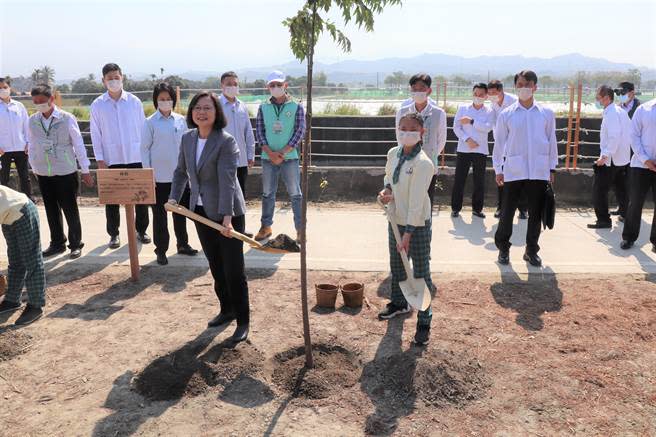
[493, 99]
[115, 85]
[165, 105]
[419, 96]
[231, 91]
[524, 93]
[42, 107]
[5, 93]
[409, 138]
[478, 100]
[277, 91]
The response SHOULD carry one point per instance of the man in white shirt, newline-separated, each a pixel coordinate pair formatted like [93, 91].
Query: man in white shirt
[615, 154]
[643, 172]
[117, 120]
[56, 149]
[13, 138]
[500, 100]
[627, 98]
[525, 157]
[239, 125]
[434, 138]
[471, 125]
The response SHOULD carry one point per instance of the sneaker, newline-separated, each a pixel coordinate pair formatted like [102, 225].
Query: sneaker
[392, 310]
[264, 233]
[30, 315]
[422, 336]
[7, 307]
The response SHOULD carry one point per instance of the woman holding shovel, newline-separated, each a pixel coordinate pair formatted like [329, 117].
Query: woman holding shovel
[208, 161]
[408, 173]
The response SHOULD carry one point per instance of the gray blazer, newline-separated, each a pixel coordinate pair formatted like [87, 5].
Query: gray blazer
[214, 177]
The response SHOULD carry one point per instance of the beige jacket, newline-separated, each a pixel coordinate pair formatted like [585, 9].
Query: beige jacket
[11, 203]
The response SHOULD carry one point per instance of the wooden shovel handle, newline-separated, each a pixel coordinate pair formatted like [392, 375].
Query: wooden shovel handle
[199, 218]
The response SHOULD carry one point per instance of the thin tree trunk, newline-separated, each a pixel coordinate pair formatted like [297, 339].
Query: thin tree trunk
[309, 362]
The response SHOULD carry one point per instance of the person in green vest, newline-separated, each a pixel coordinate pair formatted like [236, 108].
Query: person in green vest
[280, 126]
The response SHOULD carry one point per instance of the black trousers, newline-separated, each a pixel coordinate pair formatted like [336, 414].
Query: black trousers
[512, 192]
[20, 159]
[242, 175]
[604, 177]
[642, 180]
[463, 162]
[431, 190]
[521, 204]
[60, 194]
[161, 235]
[113, 212]
[226, 260]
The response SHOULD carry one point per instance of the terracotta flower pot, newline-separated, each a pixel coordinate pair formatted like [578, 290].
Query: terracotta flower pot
[353, 294]
[326, 295]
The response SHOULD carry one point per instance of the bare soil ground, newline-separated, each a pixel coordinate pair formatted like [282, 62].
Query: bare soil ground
[539, 355]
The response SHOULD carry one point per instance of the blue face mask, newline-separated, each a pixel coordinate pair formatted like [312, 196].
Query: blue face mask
[598, 105]
[624, 98]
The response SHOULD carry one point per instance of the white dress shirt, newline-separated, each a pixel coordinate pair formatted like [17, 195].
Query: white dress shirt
[75, 135]
[239, 126]
[14, 130]
[116, 128]
[508, 99]
[643, 138]
[200, 146]
[160, 144]
[434, 138]
[525, 146]
[483, 123]
[615, 136]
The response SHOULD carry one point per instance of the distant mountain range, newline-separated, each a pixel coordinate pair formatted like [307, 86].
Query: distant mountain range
[369, 72]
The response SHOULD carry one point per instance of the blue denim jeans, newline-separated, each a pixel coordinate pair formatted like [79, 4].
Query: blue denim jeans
[291, 175]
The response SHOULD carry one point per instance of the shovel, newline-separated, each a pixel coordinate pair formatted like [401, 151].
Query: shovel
[291, 245]
[414, 290]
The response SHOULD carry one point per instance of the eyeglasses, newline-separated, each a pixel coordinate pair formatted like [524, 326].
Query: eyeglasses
[203, 108]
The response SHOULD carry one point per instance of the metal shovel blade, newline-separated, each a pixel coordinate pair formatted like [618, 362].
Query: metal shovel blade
[416, 292]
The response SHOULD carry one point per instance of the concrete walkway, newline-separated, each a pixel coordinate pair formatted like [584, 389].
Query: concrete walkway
[354, 238]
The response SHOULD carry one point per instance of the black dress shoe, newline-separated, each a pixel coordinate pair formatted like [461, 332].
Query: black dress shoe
[143, 238]
[455, 214]
[241, 333]
[478, 214]
[114, 242]
[533, 259]
[53, 250]
[523, 215]
[162, 260]
[221, 319]
[497, 213]
[187, 250]
[616, 212]
[75, 253]
[625, 245]
[598, 225]
[504, 257]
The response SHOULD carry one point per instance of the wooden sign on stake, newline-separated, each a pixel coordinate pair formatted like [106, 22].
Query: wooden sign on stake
[128, 187]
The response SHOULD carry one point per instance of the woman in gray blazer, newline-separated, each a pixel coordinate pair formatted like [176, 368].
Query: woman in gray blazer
[208, 161]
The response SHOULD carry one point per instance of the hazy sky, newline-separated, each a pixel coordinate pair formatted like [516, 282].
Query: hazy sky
[78, 37]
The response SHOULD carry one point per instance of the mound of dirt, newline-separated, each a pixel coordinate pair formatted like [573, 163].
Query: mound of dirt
[13, 343]
[335, 368]
[185, 373]
[439, 379]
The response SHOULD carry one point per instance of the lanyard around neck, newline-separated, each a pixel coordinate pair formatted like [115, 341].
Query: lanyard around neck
[47, 132]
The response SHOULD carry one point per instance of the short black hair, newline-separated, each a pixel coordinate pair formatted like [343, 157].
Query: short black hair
[627, 86]
[229, 74]
[164, 87]
[495, 85]
[529, 75]
[606, 90]
[108, 68]
[413, 116]
[421, 77]
[220, 121]
[41, 89]
[480, 85]
[6, 80]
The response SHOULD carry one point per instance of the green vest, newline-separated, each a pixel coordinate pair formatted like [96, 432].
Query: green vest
[279, 127]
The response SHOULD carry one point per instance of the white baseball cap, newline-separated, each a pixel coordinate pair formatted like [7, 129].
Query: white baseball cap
[276, 76]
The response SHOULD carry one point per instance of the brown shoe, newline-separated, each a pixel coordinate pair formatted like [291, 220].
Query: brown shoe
[264, 233]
